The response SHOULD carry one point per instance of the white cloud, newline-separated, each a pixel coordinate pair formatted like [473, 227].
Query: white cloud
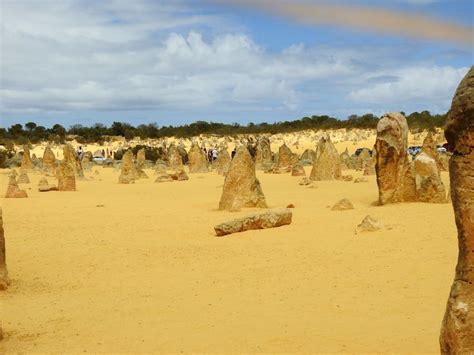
[412, 84]
[151, 56]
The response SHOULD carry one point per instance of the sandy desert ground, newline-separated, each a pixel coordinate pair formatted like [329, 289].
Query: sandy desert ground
[137, 268]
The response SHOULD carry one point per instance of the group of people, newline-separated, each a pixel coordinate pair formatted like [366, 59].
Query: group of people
[211, 154]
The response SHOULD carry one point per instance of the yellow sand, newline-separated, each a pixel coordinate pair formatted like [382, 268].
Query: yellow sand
[122, 268]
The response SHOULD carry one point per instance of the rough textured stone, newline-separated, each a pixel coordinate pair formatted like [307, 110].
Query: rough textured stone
[269, 219]
[327, 164]
[342, 205]
[298, 170]
[457, 332]
[308, 156]
[23, 178]
[241, 186]
[13, 191]
[141, 158]
[286, 159]
[49, 162]
[395, 174]
[368, 224]
[4, 280]
[67, 170]
[263, 156]
[164, 178]
[429, 187]
[175, 160]
[361, 179]
[44, 186]
[197, 160]
[129, 172]
[223, 161]
[71, 157]
[179, 175]
[26, 162]
[305, 182]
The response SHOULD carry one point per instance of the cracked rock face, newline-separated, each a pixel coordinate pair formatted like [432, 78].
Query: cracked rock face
[457, 332]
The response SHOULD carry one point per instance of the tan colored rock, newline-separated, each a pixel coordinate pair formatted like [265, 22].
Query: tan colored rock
[197, 160]
[44, 186]
[286, 159]
[129, 172]
[223, 161]
[343, 205]
[179, 175]
[175, 160]
[361, 179]
[66, 172]
[263, 156]
[241, 186]
[347, 178]
[141, 158]
[160, 169]
[429, 187]
[49, 161]
[395, 174]
[73, 160]
[298, 170]
[164, 178]
[268, 219]
[26, 162]
[305, 182]
[327, 164]
[4, 280]
[457, 332]
[368, 224]
[308, 156]
[13, 191]
[23, 178]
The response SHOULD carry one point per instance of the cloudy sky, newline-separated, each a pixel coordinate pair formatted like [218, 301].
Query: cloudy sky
[173, 62]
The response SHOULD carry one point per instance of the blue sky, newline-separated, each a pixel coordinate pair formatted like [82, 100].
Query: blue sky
[174, 62]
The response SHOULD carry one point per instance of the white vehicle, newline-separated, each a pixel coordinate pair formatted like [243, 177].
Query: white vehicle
[441, 149]
[99, 159]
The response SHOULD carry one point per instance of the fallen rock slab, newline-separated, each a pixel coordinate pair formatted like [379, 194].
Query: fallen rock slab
[269, 219]
[368, 224]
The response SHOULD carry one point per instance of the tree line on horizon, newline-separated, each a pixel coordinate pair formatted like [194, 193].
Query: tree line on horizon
[97, 133]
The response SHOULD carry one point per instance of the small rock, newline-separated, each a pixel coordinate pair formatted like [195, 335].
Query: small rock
[343, 205]
[368, 224]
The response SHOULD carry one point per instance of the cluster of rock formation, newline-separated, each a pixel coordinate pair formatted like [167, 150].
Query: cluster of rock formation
[398, 178]
[457, 333]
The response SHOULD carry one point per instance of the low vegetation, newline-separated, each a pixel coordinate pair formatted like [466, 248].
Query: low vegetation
[33, 133]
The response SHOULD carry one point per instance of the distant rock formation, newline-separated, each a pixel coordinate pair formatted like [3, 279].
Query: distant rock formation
[327, 163]
[197, 160]
[129, 173]
[4, 280]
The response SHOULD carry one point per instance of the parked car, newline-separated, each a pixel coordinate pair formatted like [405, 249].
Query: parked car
[98, 159]
[440, 148]
[414, 150]
[359, 150]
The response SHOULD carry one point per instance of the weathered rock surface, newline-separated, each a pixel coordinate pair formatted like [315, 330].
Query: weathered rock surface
[175, 160]
[26, 162]
[263, 156]
[4, 280]
[23, 178]
[395, 174]
[241, 186]
[13, 191]
[457, 332]
[268, 219]
[368, 224]
[197, 160]
[286, 159]
[129, 173]
[49, 161]
[429, 187]
[298, 170]
[327, 164]
[44, 186]
[223, 161]
[66, 172]
[343, 205]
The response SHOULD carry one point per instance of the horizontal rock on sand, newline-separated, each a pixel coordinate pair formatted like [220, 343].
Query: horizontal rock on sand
[269, 219]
